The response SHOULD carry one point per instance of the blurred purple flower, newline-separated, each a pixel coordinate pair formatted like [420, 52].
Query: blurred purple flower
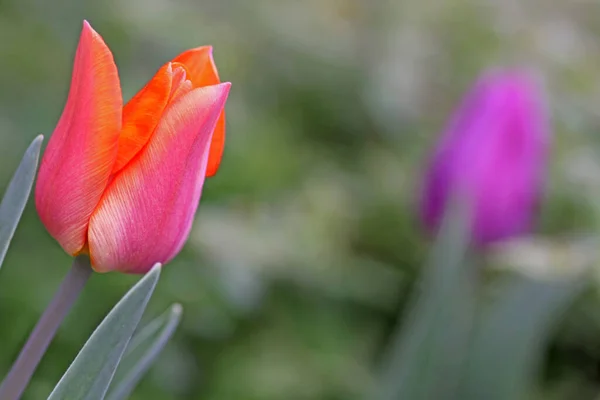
[492, 154]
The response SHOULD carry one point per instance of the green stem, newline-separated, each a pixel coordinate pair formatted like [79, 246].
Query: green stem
[20, 374]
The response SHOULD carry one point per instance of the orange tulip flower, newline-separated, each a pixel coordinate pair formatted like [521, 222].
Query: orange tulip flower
[122, 183]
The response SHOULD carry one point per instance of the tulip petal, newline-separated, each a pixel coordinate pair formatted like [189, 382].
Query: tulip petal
[217, 145]
[494, 151]
[81, 152]
[141, 115]
[200, 66]
[146, 213]
[181, 84]
[203, 72]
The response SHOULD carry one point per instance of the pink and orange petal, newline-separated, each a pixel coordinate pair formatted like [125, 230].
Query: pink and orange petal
[145, 193]
[80, 155]
[141, 115]
[203, 72]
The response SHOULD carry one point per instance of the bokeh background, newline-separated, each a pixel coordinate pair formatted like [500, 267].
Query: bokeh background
[307, 244]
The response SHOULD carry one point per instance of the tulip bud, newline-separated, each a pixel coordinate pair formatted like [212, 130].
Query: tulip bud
[122, 183]
[492, 154]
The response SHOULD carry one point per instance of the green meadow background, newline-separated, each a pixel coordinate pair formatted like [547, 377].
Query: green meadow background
[307, 243]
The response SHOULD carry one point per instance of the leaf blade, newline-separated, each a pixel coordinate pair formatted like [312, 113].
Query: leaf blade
[512, 334]
[89, 375]
[17, 193]
[141, 360]
[426, 356]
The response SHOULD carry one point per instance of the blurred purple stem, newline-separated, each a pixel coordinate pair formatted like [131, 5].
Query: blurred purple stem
[22, 370]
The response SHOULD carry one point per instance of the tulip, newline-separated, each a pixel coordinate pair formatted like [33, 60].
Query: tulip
[122, 183]
[493, 155]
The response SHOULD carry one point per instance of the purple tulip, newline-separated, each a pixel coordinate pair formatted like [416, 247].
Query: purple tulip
[493, 153]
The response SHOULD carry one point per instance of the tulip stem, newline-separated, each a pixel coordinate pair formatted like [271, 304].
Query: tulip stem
[17, 379]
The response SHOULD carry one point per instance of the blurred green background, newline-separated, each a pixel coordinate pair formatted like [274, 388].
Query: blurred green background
[307, 244]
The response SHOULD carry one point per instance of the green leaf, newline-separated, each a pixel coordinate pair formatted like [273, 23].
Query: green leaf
[14, 200]
[143, 350]
[511, 335]
[90, 374]
[426, 355]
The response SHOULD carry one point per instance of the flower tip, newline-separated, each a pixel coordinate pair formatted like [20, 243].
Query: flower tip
[206, 48]
[519, 77]
[224, 89]
[200, 51]
[220, 90]
[88, 31]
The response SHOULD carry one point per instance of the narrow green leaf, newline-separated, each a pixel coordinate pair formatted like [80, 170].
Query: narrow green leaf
[143, 350]
[427, 352]
[511, 335]
[90, 374]
[14, 200]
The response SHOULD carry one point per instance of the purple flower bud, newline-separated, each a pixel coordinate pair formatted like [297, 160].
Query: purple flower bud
[493, 153]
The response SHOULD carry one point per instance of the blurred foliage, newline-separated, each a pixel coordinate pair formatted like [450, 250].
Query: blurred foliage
[306, 245]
